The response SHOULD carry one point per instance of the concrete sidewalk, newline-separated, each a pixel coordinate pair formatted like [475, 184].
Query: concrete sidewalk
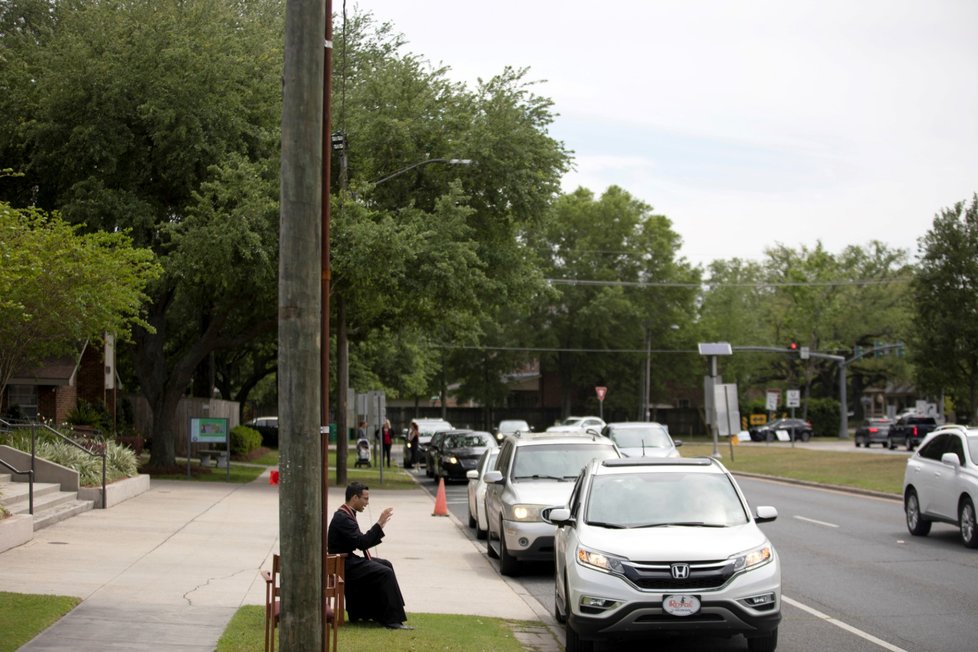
[166, 570]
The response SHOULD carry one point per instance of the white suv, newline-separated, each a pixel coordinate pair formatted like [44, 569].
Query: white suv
[663, 545]
[941, 482]
[533, 471]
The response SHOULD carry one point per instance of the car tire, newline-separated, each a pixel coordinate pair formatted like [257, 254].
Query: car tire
[908, 442]
[891, 444]
[472, 521]
[575, 643]
[479, 532]
[916, 523]
[508, 564]
[805, 436]
[765, 643]
[966, 521]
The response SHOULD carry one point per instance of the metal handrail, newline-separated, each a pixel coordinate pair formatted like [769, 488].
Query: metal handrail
[33, 425]
[30, 484]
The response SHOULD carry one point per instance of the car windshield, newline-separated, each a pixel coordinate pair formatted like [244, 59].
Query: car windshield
[557, 461]
[637, 500]
[641, 437]
[468, 440]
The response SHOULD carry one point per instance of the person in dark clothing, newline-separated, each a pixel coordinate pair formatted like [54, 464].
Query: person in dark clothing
[372, 591]
[415, 438]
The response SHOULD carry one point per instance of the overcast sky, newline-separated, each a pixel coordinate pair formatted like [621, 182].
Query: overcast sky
[748, 123]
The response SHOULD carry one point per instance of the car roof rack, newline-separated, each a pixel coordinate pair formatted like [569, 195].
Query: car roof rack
[658, 461]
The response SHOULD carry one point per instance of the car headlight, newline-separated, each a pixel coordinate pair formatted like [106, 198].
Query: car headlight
[453, 460]
[599, 561]
[521, 512]
[753, 558]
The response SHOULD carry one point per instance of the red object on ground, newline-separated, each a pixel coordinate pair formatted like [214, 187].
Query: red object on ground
[273, 477]
[441, 501]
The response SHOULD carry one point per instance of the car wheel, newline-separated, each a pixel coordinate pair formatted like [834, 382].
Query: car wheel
[479, 532]
[908, 442]
[574, 642]
[805, 436]
[891, 444]
[916, 523]
[508, 564]
[966, 519]
[858, 443]
[472, 521]
[766, 643]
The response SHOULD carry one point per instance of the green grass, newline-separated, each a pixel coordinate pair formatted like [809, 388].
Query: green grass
[442, 632]
[862, 471]
[22, 616]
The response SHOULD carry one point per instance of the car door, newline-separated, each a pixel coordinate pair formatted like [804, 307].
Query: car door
[565, 538]
[947, 481]
[494, 491]
[929, 473]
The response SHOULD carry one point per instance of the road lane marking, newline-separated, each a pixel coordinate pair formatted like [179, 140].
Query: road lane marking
[812, 520]
[841, 625]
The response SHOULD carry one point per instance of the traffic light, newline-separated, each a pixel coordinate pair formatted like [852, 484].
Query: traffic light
[793, 346]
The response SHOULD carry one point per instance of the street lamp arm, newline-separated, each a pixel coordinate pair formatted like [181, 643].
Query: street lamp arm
[447, 161]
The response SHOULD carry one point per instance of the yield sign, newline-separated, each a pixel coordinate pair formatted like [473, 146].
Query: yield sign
[601, 391]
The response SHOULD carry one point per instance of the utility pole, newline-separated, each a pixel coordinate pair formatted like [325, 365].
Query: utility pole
[324, 282]
[300, 311]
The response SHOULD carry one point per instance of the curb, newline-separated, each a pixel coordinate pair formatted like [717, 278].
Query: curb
[821, 485]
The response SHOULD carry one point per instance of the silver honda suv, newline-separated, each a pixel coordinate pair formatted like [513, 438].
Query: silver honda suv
[649, 545]
[533, 471]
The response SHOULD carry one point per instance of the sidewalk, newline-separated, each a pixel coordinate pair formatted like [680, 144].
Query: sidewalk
[166, 570]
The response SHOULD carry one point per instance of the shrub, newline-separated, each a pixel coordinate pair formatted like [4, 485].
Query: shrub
[244, 440]
[824, 415]
[87, 414]
[120, 462]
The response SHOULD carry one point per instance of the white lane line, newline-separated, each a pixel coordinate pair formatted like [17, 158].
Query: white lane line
[841, 625]
[811, 520]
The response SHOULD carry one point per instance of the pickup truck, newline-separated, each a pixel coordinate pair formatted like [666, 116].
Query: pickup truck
[910, 430]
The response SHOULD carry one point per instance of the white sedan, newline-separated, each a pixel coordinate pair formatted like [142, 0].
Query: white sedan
[477, 492]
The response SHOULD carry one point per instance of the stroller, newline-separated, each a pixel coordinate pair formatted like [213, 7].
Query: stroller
[363, 452]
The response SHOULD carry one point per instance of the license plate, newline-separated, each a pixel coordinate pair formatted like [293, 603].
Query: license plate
[681, 605]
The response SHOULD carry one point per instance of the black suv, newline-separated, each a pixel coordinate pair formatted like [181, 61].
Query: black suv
[797, 429]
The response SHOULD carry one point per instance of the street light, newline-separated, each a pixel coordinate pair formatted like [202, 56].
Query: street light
[447, 161]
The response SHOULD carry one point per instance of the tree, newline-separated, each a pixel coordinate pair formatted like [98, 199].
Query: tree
[598, 253]
[160, 117]
[945, 327]
[60, 287]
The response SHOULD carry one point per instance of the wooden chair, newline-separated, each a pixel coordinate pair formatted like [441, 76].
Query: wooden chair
[273, 602]
[333, 610]
[335, 607]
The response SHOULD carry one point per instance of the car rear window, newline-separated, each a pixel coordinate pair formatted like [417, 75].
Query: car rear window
[557, 461]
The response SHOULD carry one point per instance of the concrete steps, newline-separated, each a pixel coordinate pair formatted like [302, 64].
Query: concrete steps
[50, 503]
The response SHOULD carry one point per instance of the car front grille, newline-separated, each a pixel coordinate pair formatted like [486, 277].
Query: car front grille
[656, 576]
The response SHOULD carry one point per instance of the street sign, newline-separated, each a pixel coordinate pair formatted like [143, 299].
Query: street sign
[793, 398]
[804, 354]
[601, 391]
[773, 398]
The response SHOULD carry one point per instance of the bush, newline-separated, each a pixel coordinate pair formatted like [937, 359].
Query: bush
[824, 415]
[87, 414]
[244, 440]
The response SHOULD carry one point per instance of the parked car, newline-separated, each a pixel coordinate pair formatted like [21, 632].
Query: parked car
[797, 429]
[268, 428]
[511, 427]
[910, 430]
[642, 439]
[459, 453]
[477, 491]
[531, 473]
[578, 424]
[941, 483]
[874, 430]
[426, 428]
[663, 546]
[428, 452]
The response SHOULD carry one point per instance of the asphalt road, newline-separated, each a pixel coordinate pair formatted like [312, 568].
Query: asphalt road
[852, 577]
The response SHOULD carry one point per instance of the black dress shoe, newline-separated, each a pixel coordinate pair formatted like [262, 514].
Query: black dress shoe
[397, 626]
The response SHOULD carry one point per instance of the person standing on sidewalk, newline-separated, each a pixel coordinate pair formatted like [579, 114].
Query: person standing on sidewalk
[387, 438]
[372, 591]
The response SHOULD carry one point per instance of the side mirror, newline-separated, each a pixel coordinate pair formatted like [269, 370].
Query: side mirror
[557, 515]
[494, 477]
[677, 442]
[766, 514]
[472, 475]
[951, 459]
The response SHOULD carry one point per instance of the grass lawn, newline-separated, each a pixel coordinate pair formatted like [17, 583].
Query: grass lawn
[22, 616]
[860, 470]
[442, 632]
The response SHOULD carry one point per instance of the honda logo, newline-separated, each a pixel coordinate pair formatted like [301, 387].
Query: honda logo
[680, 571]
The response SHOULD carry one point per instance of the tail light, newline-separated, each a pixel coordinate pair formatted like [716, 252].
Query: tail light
[874, 429]
[915, 431]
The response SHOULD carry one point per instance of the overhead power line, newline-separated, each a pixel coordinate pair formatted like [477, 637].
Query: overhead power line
[753, 284]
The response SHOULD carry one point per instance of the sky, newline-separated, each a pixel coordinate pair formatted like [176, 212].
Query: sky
[748, 123]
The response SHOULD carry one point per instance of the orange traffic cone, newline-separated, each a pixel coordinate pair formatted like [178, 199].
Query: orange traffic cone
[441, 502]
